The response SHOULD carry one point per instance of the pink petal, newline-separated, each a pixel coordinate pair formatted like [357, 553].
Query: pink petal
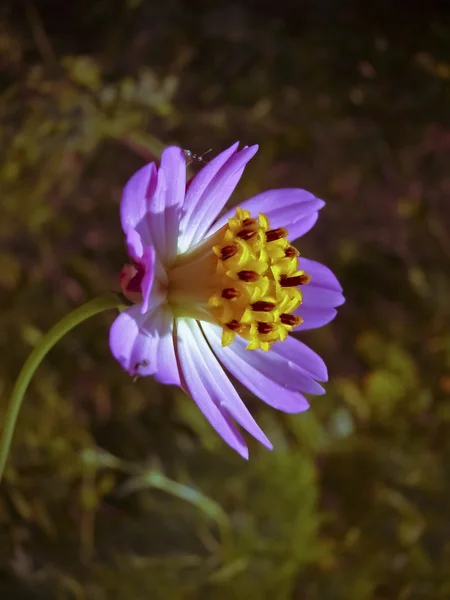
[221, 389]
[260, 381]
[151, 204]
[316, 297]
[165, 204]
[195, 381]
[133, 207]
[167, 370]
[143, 343]
[208, 193]
[148, 260]
[322, 276]
[287, 373]
[314, 317]
[136, 251]
[197, 189]
[293, 208]
[299, 354]
[302, 226]
[323, 291]
[134, 244]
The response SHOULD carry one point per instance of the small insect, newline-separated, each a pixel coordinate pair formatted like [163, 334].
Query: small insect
[137, 366]
[198, 158]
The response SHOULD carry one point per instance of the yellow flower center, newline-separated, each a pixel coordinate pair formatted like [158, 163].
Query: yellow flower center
[244, 277]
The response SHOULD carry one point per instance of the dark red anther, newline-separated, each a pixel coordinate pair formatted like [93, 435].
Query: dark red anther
[290, 320]
[276, 234]
[294, 281]
[248, 222]
[228, 251]
[246, 234]
[230, 293]
[263, 306]
[265, 328]
[248, 276]
[291, 252]
[233, 325]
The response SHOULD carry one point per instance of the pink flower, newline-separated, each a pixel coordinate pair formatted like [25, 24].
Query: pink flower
[211, 292]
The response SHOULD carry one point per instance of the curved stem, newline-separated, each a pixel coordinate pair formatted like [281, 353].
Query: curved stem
[47, 342]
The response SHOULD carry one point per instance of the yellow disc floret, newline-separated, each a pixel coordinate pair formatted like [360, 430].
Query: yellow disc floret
[257, 282]
[244, 277]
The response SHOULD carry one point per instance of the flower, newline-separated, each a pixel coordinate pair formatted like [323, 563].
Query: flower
[210, 292]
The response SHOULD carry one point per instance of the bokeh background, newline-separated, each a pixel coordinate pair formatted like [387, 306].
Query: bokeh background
[118, 490]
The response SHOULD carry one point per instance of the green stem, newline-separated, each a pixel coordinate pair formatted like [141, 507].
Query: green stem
[47, 342]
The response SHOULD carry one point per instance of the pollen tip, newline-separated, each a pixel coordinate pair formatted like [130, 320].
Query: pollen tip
[228, 251]
[230, 293]
[291, 320]
[291, 252]
[246, 234]
[248, 276]
[276, 234]
[264, 328]
[262, 306]
[294, 281]
[233, 325]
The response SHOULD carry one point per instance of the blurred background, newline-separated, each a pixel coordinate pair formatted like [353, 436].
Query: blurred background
[120, 490]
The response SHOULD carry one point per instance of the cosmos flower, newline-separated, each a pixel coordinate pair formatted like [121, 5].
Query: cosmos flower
[210, 292]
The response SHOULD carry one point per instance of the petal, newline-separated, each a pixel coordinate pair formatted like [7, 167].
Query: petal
[322, 276]
[302, 226]
[151, 204]
[197, 188]
[167, 370]
[134, 244]
[165, 204]
[133, 206]
[287, 373]
[129, 345]
[314, 317]
[323, 291]
[196, 382]
[148, 260]
[320, 296]
[315, 296]
[299, 354]
[143, 343]
[221, 389]
[292, 208]
[136, 252]
[209, 191]
[260, 382]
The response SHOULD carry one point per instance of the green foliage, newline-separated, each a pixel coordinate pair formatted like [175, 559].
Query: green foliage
[118, 490]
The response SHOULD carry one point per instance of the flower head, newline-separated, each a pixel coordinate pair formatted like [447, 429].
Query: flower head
[210, 292]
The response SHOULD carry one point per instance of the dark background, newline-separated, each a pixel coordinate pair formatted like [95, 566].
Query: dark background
[120, 490]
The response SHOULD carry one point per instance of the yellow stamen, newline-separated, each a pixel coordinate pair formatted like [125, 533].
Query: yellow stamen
[245, 277]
